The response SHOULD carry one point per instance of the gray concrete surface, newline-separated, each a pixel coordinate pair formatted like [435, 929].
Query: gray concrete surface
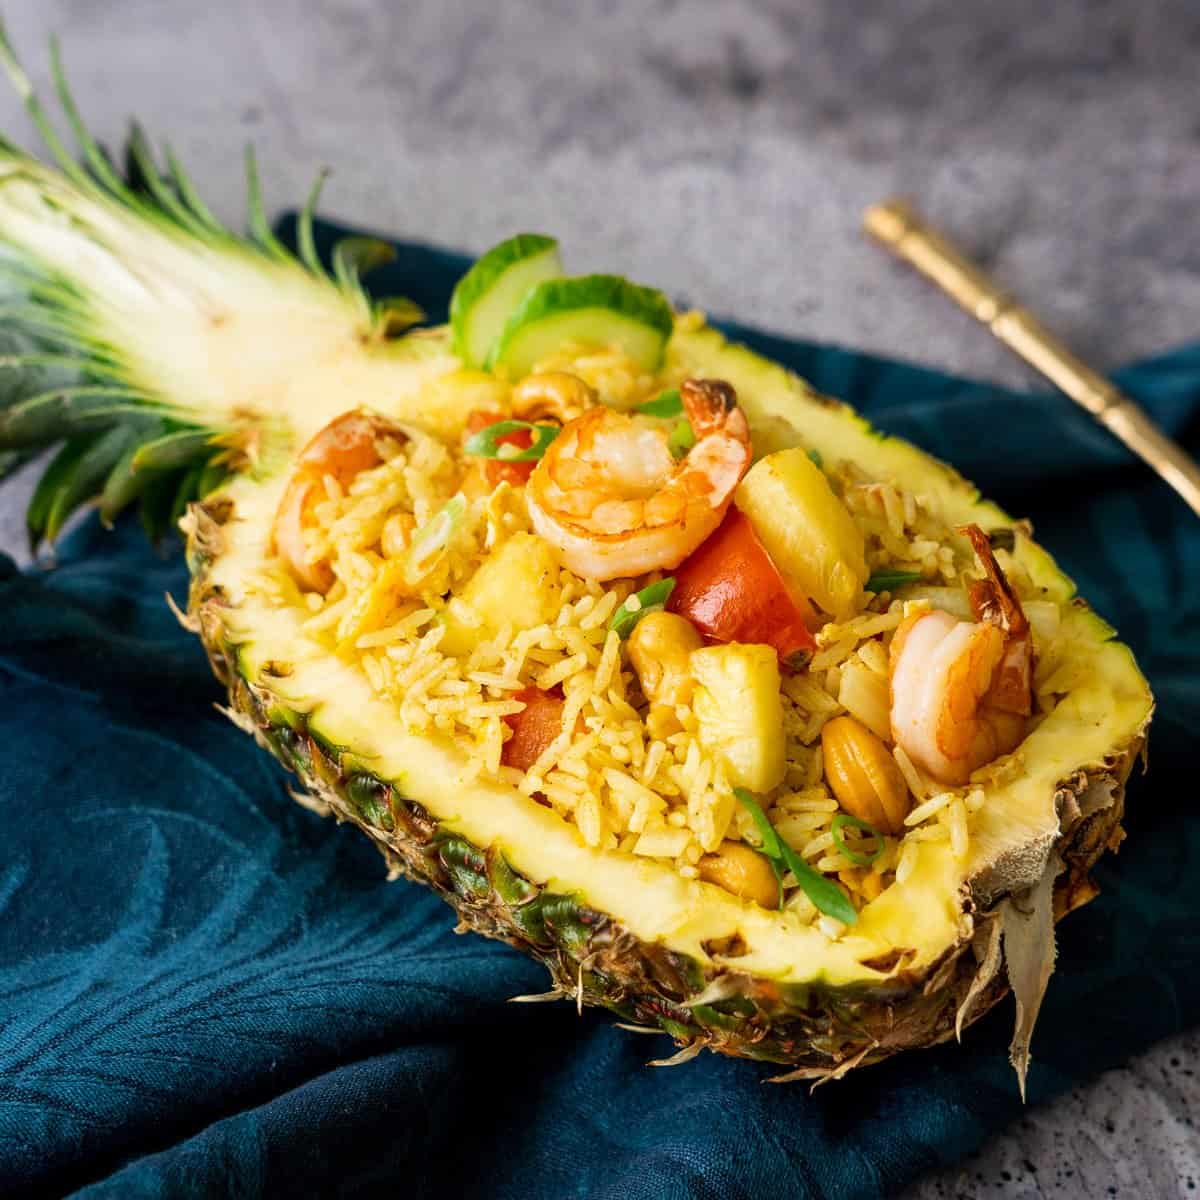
[726, 152]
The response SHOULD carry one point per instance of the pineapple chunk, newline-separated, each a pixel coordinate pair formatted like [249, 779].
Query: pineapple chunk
[740, 713]
[516, 586]
[864, 694]
[384, 600]
[806, 530]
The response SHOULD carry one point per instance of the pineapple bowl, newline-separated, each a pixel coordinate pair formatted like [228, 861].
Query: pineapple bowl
[756, 727]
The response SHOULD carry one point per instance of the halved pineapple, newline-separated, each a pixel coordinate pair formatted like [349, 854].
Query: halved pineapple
[201, 355]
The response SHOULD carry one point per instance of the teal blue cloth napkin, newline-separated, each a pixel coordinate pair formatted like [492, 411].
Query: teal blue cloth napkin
[206, 990]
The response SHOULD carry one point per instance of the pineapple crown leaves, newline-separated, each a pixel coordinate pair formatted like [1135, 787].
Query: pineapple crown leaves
[59, 381]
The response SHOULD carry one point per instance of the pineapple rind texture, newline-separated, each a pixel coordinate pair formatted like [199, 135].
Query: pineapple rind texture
[683, 956]
[200, 354]
[817, 1031]
[817, 1027]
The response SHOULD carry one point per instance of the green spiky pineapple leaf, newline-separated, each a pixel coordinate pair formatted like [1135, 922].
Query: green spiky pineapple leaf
[125, 483]
[120, 274]
[187, 491]
[155, 505]
[53, 479]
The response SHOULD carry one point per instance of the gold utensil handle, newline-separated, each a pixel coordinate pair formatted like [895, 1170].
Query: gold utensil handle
[902, 230]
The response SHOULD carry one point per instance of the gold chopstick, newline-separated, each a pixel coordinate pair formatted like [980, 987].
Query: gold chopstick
[898, 226]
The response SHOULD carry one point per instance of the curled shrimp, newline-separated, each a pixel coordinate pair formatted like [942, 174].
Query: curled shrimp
[609, 494]
[344, 448]
[961, 690]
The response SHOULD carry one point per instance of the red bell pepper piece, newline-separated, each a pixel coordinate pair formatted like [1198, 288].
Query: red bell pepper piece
[732, 592]
[534, 728]
[496, 470]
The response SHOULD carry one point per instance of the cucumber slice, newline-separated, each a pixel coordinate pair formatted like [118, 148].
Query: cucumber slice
[602, 310]
[487, 294]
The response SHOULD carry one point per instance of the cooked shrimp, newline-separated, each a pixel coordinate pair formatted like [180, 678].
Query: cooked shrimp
[609, 494]
[993, 600]
[343, 449]
[961, 689]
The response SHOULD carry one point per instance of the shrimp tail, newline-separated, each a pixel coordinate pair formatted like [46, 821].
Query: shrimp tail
[708, 403]
[994, 601]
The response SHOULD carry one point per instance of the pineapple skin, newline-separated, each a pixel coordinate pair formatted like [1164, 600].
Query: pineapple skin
[819, 1032]
[240, 397]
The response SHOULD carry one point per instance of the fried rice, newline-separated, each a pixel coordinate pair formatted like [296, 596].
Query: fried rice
[625, 789]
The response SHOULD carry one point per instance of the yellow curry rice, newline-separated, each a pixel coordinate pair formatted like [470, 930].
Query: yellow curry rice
[625, 790]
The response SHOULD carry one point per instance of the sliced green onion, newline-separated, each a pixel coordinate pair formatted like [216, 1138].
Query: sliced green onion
[431, 540]
[859, 859]
[665, 404]
[487, 444]
[888, 581]
[651, 598]
[817, 458]
[766, 832]
[778, 871]
[681, 439]
[824, 893]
